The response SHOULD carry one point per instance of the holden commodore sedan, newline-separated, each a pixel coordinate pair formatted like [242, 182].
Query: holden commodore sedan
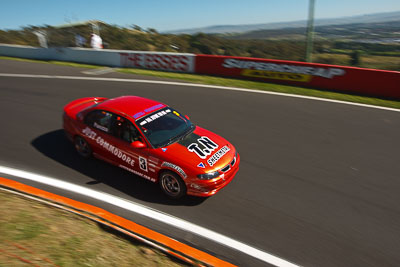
[153, 141]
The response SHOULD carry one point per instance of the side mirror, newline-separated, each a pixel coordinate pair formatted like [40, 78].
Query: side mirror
[138, 144]
[187, 117]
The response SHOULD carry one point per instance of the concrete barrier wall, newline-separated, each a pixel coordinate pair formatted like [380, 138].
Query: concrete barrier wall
[177, 62]
[370, 82]
[24, 52]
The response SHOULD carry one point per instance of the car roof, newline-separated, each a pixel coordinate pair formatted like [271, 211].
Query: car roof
[134, 106]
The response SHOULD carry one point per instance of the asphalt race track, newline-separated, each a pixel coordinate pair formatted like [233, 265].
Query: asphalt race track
[318, 185]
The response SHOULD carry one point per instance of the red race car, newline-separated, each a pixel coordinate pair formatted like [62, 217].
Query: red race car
[151, 140]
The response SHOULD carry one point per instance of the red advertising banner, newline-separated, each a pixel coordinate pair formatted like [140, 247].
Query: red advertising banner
[158, 61]
[378, 83]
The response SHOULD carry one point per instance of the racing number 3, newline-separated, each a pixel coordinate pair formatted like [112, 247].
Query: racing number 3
[143, 164]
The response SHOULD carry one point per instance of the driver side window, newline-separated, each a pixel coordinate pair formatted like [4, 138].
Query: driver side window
[123, 129]
[99, 119]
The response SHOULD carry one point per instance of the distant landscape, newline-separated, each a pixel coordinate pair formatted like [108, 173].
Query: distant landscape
[379, 32]
[368, 18]
[370, 41]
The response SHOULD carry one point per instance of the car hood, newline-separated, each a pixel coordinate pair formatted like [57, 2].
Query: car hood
[202, 150]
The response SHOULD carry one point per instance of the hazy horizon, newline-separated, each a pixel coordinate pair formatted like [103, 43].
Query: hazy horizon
[180, 14]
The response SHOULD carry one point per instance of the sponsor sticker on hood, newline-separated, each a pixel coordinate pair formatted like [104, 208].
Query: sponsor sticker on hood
[217, 155]
[208, 147]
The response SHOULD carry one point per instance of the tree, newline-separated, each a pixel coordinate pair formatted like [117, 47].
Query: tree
[355, 58]
[137, 28]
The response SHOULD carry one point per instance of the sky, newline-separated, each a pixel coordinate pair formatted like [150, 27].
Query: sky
[165, 15]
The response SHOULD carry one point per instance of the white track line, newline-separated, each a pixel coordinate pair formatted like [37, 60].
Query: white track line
[98, 71]
[192, 85]
[150, 213]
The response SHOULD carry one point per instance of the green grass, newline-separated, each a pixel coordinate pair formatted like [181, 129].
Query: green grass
[45, 235]
[387, 54]
[27, 231]
[373, 60]
[211, 80]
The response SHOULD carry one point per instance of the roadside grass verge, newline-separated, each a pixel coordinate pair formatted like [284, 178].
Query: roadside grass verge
[62, 63]
[218, 81]
[33, 233]
[376, 60]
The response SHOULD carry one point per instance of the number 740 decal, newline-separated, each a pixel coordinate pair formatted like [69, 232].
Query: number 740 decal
[209, 147]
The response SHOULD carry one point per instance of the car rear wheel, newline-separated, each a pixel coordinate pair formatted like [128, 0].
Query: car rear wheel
[82, 147]
[172, 185]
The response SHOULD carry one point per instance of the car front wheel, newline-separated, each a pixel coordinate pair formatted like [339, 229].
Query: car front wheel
[172, 185]
[82, 147]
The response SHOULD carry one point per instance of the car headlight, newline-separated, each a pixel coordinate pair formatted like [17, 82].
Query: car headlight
[208, 176]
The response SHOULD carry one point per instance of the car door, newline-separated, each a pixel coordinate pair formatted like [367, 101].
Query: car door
[133, 159]
[97, 132]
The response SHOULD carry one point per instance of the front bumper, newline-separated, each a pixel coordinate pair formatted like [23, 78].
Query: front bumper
[211, 187]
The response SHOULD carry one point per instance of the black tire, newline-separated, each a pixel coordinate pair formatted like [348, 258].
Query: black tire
[172, 185]
[82, 147]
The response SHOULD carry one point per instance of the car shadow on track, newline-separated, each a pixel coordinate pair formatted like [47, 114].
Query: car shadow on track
[57, 147]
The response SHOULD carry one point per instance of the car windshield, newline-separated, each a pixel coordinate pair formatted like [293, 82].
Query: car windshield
[165, 127]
